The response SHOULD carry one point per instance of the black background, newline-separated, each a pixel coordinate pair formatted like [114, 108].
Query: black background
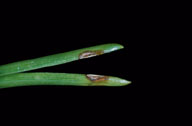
[31, 34]
[144, 28]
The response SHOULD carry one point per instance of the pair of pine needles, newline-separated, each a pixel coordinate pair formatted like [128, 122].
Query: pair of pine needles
[11, 74]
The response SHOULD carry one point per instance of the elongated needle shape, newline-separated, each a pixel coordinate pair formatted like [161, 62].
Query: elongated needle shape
[57, 59]
[31, 79]
[10, 75]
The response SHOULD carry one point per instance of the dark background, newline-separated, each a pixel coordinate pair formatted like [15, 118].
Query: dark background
[40, 32]
[30, 42]
[146, 29]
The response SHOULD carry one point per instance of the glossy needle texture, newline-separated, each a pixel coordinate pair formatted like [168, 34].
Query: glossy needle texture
[57, 59]
[10, 75]
[30, 79]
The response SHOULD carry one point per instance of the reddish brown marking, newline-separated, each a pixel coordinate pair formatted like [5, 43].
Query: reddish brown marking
[96, 78]
[88, 54]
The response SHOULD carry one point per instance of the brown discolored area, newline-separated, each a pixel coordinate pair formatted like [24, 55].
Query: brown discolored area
[88, 54]
[96, 78]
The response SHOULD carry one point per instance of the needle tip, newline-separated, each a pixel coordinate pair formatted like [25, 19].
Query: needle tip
[113, 47]
[115, 81]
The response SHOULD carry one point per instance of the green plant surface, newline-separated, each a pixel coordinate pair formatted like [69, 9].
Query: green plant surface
[31, 79]
[11, 76]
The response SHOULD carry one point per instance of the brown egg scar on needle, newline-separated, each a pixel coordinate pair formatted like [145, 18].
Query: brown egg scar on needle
[97, 78]
[88, 54]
